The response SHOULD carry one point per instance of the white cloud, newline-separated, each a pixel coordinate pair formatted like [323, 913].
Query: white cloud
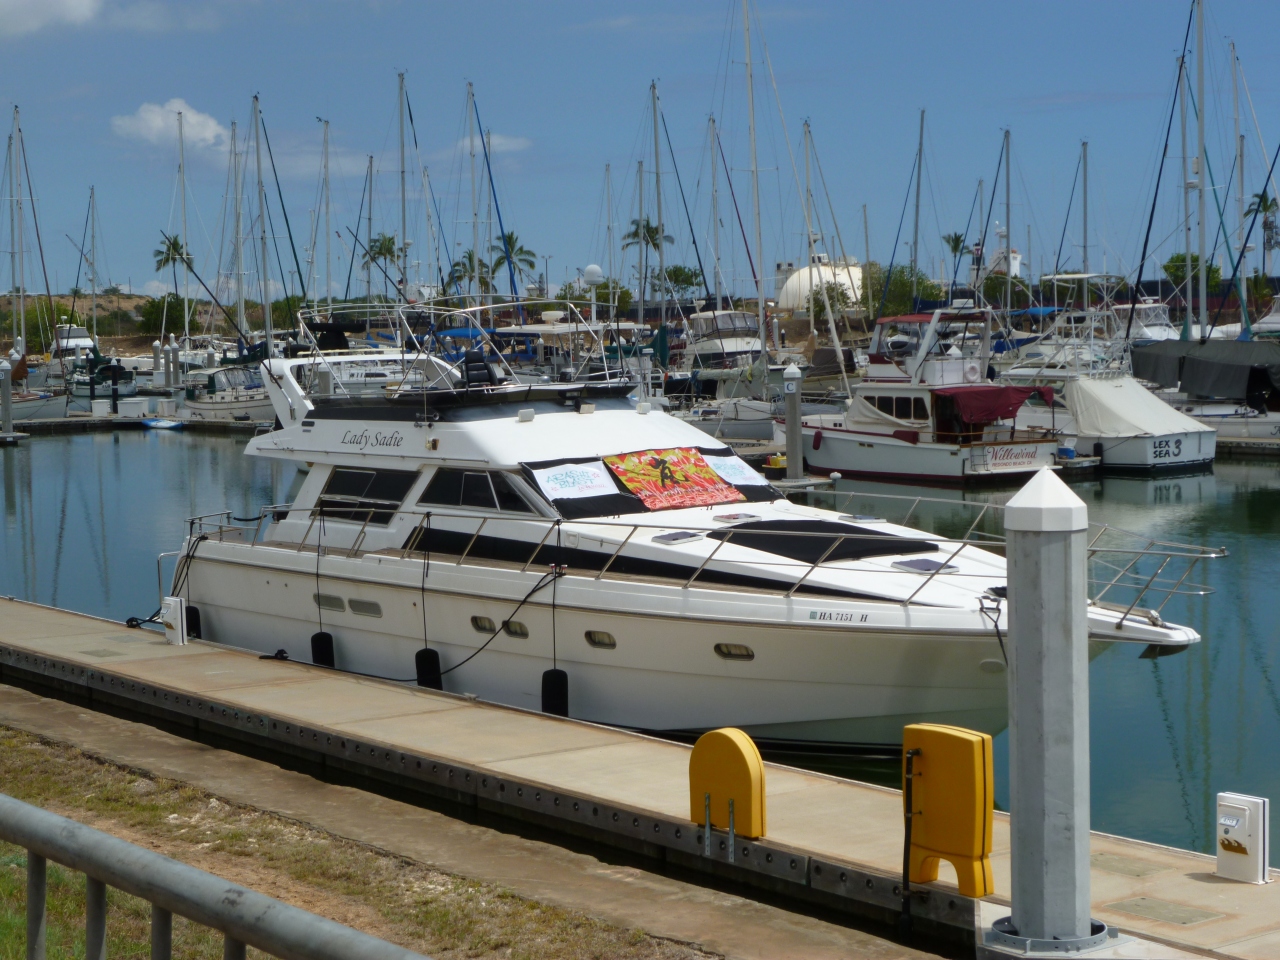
[498, 143]
[154, 288]
[26, 16]
[19, 17]
[156, 123]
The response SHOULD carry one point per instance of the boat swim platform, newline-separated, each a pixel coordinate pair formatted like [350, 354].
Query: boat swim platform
[831, 843]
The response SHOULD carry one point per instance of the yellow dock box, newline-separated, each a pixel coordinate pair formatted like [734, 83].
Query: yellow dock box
[726, 765]
[952, 792]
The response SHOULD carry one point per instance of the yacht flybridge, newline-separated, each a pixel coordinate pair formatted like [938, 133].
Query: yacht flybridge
[514, 530]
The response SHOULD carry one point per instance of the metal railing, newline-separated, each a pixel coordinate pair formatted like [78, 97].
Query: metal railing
[1126, 568]
[243, 916]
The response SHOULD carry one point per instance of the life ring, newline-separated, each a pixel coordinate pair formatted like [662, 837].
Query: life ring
[817, 439]
[972, 371]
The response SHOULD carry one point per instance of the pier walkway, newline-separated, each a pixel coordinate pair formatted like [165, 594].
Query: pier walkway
[830, 842]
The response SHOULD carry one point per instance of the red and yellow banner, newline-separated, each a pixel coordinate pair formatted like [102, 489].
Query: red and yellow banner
[666, 479]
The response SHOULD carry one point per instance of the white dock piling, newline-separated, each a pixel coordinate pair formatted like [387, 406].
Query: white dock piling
[791, 378]
[1048, 717]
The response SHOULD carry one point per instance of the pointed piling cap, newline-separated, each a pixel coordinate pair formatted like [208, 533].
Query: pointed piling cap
[1046, 505]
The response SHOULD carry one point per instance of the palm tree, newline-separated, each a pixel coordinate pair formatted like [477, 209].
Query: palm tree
[643, 231]
[464, 270]
[955, 243]
[646, 231]
[170, 253]
[1267, 207]
[523, 260]
[382, 247]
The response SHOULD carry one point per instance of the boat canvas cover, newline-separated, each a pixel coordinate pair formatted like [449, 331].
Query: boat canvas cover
[1122, 407]
[1216, 368]
[677, 477]
[981, 403]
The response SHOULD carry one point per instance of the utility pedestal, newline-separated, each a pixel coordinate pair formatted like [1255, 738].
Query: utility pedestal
[791, 378]
[1048, 643]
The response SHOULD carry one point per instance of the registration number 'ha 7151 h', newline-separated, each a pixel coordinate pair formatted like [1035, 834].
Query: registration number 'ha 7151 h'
[836, 616]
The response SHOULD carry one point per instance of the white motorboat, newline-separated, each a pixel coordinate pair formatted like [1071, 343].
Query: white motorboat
[229, 393]
[1111, 415]
[510, 533]
[922, 411]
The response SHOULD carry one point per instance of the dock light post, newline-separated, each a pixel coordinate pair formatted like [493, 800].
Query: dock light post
[1046, 526]
[791, 378]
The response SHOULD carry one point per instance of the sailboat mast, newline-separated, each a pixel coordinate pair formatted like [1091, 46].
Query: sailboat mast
[715, 211]
[1235, 102]
[644, 259]
[755, 179]
[866, 266]
[1186, 203]
[237, 179]
[475, 200]
[608, 242]
[915, 230]
[368, 245]
[93, 259]
[1084, 213]
[186, 265]
[657, 199]
[328, 230]
[808, 226]
[17, 193]
[1008, 223]
[404, 209]
[262, 229]
[13, 244]
[1200, 170]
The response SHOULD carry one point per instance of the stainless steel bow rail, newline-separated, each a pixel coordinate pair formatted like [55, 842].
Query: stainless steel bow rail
[245, 917]
[1126, 569]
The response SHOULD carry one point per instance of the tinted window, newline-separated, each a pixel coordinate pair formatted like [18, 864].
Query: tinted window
[508, 498]
[885, 405]
[902, 408]
[453, 488]
[445, 488]
[476, 491]
[365, 495]
[920, 409]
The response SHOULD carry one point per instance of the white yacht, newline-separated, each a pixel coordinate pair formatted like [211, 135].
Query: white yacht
[504, 540]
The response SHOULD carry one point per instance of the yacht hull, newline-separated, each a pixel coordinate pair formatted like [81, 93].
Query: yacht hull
[870, 455]
[818, 672]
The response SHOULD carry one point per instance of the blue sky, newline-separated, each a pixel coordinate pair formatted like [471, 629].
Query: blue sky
[563, 86]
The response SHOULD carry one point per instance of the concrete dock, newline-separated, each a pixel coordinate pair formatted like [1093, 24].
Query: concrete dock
[832, 843]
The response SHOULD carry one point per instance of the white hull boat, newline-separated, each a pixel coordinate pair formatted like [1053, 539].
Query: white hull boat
[513, 533]
[921, 412]
[1118, 419]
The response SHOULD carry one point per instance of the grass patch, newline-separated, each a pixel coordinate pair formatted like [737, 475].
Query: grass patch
[397, 899]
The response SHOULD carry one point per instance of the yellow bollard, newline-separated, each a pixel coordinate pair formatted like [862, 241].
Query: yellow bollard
[725, 765]
[952, 792]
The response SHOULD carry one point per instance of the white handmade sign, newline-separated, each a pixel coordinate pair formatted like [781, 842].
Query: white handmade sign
[576, 480]
[736, 471]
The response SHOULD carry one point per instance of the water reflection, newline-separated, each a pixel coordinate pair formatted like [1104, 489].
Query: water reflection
[85, 517]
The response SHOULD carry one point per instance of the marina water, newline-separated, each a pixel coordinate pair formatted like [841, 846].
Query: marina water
[85, 517]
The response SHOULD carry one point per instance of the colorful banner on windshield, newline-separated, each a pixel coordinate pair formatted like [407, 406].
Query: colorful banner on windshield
[666, 479]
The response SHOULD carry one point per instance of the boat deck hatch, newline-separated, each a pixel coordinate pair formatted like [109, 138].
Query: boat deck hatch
[809, 541]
